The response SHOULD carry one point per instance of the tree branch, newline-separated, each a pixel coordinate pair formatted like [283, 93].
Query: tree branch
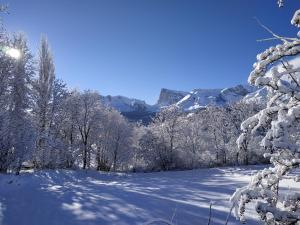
[275, 36]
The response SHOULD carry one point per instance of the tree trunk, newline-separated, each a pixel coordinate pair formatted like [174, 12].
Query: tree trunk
[84, 157]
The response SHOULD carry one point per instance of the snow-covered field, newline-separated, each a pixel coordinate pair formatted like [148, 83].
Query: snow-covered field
[65, 197]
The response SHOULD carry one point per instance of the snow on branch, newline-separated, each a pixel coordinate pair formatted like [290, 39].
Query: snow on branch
[277, 126]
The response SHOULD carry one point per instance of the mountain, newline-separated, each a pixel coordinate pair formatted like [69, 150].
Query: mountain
[135, 109]
[168, 97]
[201, 98]
[234, 94]
[124, 104]
[259, 96]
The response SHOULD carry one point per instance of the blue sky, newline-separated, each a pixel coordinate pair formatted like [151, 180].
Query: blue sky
[136, 47]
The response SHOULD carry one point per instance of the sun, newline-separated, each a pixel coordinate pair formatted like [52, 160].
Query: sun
[14, 53]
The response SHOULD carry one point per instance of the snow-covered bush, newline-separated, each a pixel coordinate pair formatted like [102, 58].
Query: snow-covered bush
[278, 125]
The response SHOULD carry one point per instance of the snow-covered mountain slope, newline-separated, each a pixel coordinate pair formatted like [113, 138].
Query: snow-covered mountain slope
[234, 94]
[200, 98]
[168, 97]
[259, 96]
[135, 109]
[124, 104]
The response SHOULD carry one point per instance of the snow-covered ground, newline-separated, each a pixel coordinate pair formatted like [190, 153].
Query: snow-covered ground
[65, 197]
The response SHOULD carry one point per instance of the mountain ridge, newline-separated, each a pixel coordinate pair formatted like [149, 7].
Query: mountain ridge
[134, 109]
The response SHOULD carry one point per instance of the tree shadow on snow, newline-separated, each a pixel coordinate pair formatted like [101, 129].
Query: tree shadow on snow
[90, 198]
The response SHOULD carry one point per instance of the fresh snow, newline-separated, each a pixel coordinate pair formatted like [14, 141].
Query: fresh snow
[88, 197]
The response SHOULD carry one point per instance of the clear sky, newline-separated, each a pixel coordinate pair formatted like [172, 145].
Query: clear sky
[136, 47]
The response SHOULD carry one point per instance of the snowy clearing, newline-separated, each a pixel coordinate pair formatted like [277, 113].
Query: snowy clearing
[90, 197]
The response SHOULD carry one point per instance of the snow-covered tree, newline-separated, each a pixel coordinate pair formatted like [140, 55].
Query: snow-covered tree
[138, 132]
[87, 116]
[58, 121]
[219, 127]
[112, 141]
[152, 150]
[193, 141]
[121, 133]
[43, 96]
[236, 114]
[162, 132]
[68, 128]
[20, 132]
[6, 65]
[278, 125]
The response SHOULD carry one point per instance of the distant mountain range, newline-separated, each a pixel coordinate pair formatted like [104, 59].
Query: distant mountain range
[135, 109]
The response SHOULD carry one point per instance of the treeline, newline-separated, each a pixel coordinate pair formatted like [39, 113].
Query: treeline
[46, 125]
[207, 138]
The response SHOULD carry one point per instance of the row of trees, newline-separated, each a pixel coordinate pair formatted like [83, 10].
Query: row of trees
[175, 139]
[44, 123]
[47, 125]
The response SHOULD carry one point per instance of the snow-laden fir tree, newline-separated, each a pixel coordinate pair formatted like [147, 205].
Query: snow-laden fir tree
[278, 125]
